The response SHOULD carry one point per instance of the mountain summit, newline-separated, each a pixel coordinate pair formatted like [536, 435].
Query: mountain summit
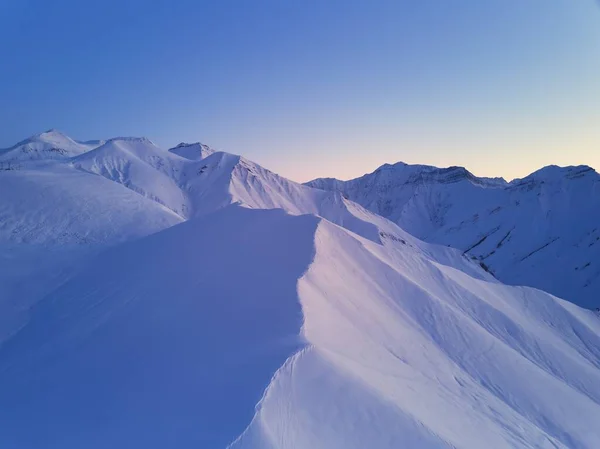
[51, 144]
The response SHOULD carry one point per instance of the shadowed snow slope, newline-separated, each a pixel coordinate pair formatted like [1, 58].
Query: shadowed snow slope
[542, 231]
[171, 341]
[168, 341]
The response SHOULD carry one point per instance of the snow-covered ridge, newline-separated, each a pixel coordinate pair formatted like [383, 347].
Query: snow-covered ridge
[442, 360]
[402, 173]
[184, 182]
[192, 180]
[341, 341]
[426, 173]
[553, 174]
[539, 231]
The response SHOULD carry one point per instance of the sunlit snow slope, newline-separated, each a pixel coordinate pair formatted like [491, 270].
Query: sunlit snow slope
[172, 340]
[542, 231]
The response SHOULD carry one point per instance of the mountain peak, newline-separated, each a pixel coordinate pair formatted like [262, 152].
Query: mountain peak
[51, 135]
[48, 145]
[52, 131]
[403, 173]
[555, 173]
[192, 151]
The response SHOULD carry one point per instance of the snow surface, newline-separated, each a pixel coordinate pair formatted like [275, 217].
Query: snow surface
[171, 340]
[167, 341]
[61, 205]
[194, 299]
[542, 231]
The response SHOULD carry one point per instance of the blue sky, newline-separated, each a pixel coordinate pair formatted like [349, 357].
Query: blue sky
[314, 87]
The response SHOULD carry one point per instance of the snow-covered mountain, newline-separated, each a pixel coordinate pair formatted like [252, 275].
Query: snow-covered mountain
[542, 231]
[175, 187]
[190, 298]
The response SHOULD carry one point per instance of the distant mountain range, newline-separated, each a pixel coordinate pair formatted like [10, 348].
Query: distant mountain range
[191, 298]
[542, 230]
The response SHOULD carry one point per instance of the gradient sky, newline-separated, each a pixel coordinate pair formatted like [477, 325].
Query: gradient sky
[314, 87]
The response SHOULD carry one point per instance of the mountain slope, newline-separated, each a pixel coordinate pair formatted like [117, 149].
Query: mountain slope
[139, 165]
[145, 348]
[172, 340]
[540, 231]
[60, 205]
[439, 359]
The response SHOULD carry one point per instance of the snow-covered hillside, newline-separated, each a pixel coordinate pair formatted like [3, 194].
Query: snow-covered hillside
[191, 298]
[268, 330]
[61, 205]
[542, 231]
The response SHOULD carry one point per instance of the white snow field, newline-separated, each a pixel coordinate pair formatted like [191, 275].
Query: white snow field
[542, 231]
[193, 299]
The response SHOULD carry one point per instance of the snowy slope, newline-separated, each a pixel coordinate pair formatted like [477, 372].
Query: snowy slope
[167, 341]
[542, 231]
[60, 205]
[139, 165]
[45, 200]
[339, 341]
